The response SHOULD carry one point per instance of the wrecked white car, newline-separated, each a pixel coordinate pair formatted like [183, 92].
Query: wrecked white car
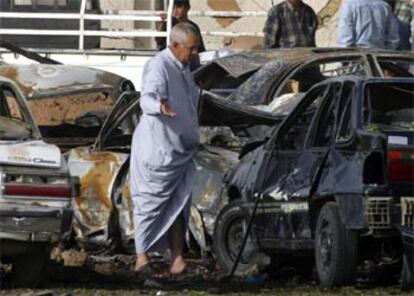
[68, 103]
[35, 191]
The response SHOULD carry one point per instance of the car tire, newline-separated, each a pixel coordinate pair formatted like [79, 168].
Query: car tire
[30, 269]
[229, 232]
[336, 249]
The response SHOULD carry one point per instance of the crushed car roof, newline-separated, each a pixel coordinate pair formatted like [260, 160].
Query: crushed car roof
[45, 80]
[241, 63]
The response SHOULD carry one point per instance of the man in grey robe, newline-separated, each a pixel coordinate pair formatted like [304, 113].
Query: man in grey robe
[164, 143]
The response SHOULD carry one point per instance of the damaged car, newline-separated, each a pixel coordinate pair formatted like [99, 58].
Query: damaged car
[333, 181]
[35, 191]
[234, 118]
[69, 103]
[103, 212]
[275, 80]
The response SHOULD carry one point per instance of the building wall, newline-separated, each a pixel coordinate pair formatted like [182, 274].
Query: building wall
[327, 10]
[127, 25]
[326, 34]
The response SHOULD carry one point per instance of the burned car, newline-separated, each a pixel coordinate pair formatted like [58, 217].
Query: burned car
[232, 122]
[69, 103]
[35, 191]
[334, 180]
[103, 212]
[275, 80]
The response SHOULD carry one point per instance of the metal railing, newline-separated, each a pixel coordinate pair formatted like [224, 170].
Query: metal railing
[122, 15]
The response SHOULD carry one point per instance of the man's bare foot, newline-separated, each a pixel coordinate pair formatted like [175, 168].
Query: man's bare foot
[177, 265]
[142, 260]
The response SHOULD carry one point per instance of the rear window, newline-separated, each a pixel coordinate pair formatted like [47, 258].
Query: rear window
[12, 121]
[396, 67]
[75, 115]
[389, 107]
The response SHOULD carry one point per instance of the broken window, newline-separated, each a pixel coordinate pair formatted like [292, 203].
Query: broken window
[71, 120]
[389, 107]
[294, 134]
[303, 78]
[9, 106]
[396, 67]
[13, 125]
[117, 132]
[344, 121]
[68, 108]
[325, 124]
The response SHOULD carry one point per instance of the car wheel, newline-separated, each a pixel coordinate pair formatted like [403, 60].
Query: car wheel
[336, 248]
[30, 270]
[229, 232]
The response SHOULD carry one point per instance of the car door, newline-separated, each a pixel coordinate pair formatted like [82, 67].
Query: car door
[281, 181]
[101, 169]
[291, 165]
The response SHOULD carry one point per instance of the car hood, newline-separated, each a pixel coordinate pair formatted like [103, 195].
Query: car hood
[33, 153]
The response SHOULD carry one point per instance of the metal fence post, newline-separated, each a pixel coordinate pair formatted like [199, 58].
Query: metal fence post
[82, 24]
[169, 19]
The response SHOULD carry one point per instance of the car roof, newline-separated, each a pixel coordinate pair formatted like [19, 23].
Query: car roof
[244, 62]
[44, 80]
[359, 79]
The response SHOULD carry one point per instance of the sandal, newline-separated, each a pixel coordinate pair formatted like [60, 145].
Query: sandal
[149, 272]
[188, 274]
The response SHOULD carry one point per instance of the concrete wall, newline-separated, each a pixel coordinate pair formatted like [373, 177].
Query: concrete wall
[326, 35]
[127, 25]
[327, 10]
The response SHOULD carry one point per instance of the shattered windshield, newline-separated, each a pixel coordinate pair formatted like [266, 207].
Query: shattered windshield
[389, 107]
[12, 123]
[253, 91]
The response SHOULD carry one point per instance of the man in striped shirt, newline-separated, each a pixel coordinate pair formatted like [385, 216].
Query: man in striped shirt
[291, 23]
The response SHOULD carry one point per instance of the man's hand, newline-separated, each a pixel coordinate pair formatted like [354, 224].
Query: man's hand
[166, 109]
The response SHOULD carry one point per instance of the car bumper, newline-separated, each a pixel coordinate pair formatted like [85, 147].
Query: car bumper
[33, 224]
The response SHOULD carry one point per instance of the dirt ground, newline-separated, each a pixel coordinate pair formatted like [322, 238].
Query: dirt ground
[113, 275]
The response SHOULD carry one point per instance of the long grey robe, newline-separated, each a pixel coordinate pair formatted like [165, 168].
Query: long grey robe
[162, 171]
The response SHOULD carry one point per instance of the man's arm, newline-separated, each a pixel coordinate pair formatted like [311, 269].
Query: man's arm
[271, 29]
[154, 88]
[392, 36]
[346, 28]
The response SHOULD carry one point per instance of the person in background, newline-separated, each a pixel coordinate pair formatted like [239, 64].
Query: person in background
[179, 15]
[162, 170]
[403, 12]
[367, 24]
[291, 23]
